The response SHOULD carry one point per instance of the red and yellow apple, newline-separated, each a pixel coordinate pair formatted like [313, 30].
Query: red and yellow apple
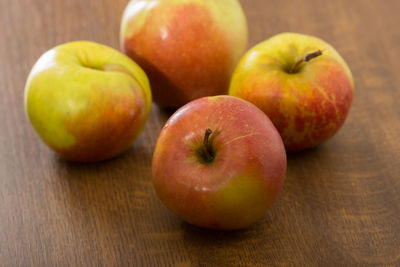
[87, 101]
[188, 48]
[301, 83]
[219, 163]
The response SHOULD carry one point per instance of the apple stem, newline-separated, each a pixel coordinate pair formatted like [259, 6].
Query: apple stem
[306, 58]
[206, 146]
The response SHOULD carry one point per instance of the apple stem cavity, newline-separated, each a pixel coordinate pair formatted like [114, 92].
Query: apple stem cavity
[306, 58]
[208, 153]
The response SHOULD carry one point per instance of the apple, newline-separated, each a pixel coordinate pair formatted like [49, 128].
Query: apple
[188, 48]
[87, 101]
[219, 163]
[301, 83]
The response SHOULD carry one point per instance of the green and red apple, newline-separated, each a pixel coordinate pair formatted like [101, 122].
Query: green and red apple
[219, 163]
[302, 84]
[87, 101]
[188, 48]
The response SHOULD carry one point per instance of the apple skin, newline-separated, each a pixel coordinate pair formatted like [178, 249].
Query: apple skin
[188, 48]
[307, 107]
[87, 101]
[244, 178]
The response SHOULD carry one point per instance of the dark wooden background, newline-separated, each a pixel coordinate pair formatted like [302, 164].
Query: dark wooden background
[341, 201]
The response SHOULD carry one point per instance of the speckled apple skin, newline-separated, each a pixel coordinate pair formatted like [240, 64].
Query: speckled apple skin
[243, 180]
[188, 48]
[87, 101]
[307, 107]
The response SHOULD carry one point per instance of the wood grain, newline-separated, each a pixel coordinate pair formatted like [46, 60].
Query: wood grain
[341, 201]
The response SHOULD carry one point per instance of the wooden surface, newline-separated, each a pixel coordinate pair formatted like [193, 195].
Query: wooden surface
[341, 201]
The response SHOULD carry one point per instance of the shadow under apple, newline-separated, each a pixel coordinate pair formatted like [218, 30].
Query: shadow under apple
[106, 204]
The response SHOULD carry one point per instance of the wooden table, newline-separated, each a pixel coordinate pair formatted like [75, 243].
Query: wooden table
[341, 201]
